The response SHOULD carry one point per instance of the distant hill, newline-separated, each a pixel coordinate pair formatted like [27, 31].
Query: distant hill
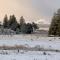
[44, 25]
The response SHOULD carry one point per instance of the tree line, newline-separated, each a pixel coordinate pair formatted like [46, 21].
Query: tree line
[21, 27]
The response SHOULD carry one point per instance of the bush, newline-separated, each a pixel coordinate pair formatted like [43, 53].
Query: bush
[44, 53]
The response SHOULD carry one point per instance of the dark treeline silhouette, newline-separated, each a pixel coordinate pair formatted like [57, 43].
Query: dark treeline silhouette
[21, 27]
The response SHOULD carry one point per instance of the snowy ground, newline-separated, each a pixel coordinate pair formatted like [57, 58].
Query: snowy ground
[50, 46]
[39, 55]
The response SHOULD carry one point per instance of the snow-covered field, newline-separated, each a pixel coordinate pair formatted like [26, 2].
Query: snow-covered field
[49, 45]
[31, 56]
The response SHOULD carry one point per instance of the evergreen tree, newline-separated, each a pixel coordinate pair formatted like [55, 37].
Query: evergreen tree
[5, 22]
[12, 23]
[22, 25]
[55, 24]
[18, 30]
[22, 20]
[29, 28]
[0, 24]
[34, 26]
[23, 28]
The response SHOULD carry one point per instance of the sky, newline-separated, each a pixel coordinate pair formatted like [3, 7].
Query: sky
[32, 10]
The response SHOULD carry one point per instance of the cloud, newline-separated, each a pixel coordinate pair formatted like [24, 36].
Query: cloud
[32, 10]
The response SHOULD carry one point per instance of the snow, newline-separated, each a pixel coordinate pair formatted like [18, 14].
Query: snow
[48, 43]
[31, 56]
[45, 42]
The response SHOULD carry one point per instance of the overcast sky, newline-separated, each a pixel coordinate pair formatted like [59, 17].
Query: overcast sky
[32, 10]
